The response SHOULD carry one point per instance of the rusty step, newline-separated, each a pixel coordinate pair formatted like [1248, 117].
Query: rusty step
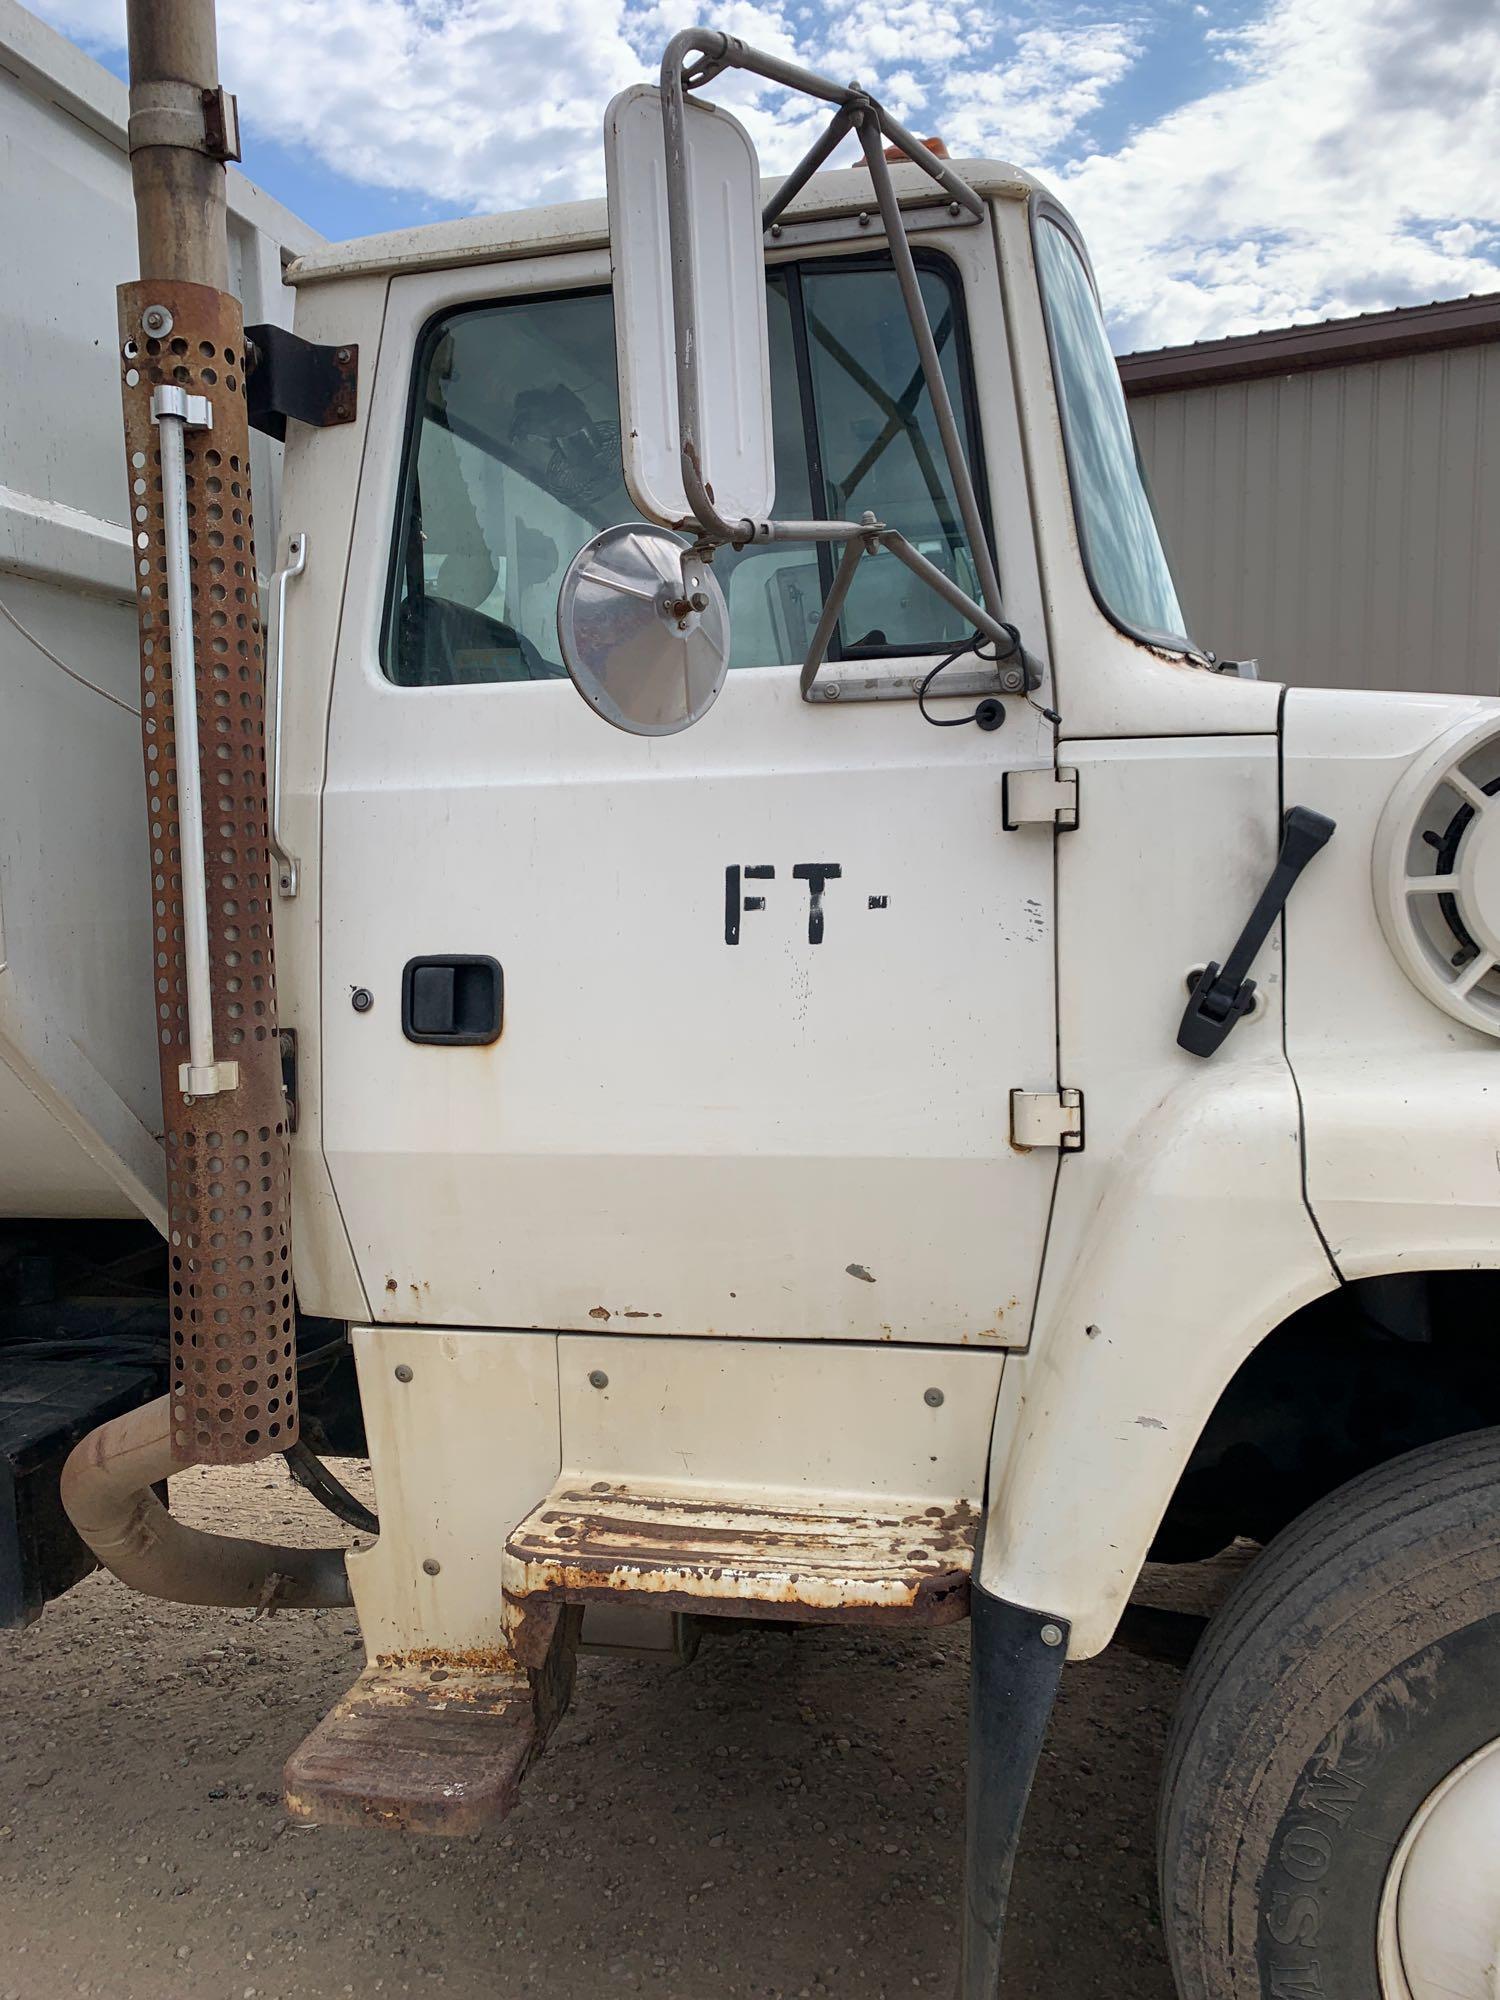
[433, 1743]
[685, 1548]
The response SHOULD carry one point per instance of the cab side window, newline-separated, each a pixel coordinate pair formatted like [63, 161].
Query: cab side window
[513, 462]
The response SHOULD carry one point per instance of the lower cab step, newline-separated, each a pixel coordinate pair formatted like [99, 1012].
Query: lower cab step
[432, 1743]
[439, 1743]
[682, 1548]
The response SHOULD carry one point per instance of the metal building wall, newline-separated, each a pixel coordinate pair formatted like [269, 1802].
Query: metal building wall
[1342, 524]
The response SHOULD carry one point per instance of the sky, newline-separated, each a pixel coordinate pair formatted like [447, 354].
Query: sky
[1233, 165]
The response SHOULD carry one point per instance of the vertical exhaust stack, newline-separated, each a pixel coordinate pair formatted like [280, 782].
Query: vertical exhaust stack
[233, 1381]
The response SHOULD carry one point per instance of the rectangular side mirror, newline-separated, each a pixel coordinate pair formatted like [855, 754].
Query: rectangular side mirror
[720, 335]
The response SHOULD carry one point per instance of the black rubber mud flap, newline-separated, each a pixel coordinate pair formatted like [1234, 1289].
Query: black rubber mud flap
[1016, 1662]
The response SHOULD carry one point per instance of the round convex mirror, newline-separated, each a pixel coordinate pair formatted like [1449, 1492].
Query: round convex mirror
[644, 630]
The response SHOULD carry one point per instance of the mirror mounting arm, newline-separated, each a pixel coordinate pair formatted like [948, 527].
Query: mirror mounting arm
[692, 59]
[715, 52]
[1020, 677]
[797, 179]
[855, 548]
[932, 368]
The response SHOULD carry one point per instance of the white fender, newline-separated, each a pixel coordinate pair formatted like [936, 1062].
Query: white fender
[1403, 1160]
[1201, 1245]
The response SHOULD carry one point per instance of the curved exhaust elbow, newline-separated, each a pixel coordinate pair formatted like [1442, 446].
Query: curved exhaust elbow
[106, 1491]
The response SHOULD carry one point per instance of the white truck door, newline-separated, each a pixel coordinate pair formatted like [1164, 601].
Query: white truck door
[763, 988]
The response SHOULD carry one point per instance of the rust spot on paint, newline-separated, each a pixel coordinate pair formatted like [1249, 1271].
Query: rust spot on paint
[598, 1312]
[448, 1660]
[390, 1284]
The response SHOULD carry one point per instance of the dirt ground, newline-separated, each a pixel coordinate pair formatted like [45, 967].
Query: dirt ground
[781, 1819]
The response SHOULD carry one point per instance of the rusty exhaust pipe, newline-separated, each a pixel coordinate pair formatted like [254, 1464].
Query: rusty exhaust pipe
[203, 722]
[106, 1490]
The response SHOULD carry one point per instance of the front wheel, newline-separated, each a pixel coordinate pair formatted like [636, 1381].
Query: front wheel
[1330, 1823]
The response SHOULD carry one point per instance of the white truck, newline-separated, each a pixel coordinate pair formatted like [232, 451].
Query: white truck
[809, 1165]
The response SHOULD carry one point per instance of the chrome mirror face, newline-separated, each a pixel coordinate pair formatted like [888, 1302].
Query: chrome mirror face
[644, 630]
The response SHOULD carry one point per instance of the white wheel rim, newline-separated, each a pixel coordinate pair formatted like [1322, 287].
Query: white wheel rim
[1439, 1936]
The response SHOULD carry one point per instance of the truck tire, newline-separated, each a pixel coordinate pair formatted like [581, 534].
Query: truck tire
[1330, 1822]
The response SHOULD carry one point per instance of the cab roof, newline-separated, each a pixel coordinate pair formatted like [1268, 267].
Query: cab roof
[584, 225]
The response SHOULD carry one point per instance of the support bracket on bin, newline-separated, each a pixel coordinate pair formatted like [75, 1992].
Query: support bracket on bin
[287, 376]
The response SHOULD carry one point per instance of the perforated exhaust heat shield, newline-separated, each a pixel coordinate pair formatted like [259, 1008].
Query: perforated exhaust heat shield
[234, 1377]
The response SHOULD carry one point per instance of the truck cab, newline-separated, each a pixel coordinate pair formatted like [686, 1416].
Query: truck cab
[782, 1066]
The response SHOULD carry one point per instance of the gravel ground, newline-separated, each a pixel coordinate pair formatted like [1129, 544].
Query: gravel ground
[781, 1819]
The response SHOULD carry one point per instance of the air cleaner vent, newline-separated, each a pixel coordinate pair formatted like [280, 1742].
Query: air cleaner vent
[1437, 872]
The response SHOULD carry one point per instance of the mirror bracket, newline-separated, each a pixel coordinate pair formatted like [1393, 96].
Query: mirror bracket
[692, 60]
[859, 680]
[806, 232]
[1015, 672]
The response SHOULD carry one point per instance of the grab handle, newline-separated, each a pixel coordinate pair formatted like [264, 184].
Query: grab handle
[286, 862]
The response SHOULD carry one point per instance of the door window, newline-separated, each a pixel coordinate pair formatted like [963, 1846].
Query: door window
[513, 462]
[879, 449]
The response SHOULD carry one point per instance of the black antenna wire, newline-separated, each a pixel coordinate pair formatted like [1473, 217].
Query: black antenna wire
[990, 713]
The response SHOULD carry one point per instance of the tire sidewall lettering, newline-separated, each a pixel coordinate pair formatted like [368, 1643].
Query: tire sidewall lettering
[1319, 1896]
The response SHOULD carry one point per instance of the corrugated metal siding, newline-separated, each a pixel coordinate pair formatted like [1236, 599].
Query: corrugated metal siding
[1342, 525]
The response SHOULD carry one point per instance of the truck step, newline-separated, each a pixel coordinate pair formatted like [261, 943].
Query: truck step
[735, 1555]
[432, 1744]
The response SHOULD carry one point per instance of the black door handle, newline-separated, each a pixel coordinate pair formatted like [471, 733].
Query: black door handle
[457, 1001]
[1223, 994]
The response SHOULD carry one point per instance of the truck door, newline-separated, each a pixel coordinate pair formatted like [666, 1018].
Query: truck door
[703, 1034]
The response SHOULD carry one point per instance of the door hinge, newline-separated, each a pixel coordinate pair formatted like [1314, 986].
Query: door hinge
[1047, 1118]
[1039, 798]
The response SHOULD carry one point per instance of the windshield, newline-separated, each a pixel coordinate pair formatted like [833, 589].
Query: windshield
[1122, 548]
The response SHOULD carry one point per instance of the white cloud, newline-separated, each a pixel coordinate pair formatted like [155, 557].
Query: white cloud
[496, 104]
[483, 103]
[1349, 165]
[1461, 239]
[1037, 100]
[1346, 160]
